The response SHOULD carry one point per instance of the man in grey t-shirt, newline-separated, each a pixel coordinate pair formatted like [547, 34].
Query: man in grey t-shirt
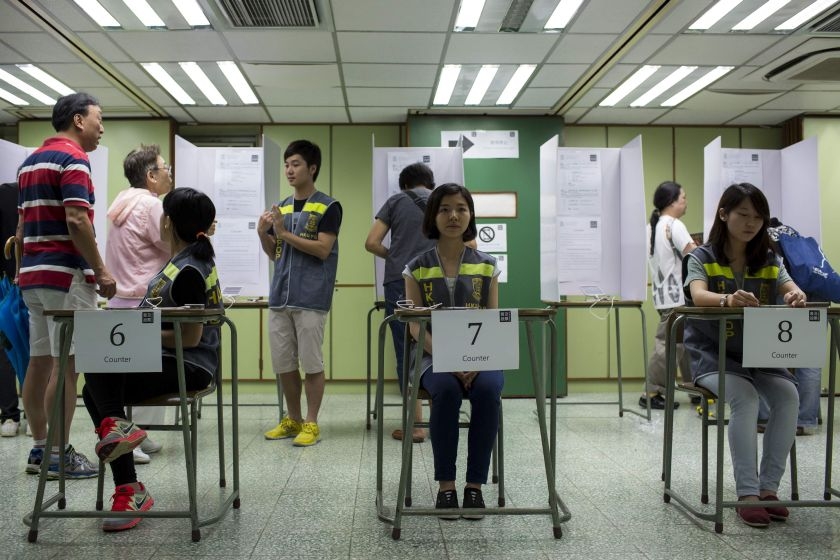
[402, 216]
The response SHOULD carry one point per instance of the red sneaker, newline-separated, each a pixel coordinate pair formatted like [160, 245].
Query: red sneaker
[754, 517]
[776, 513]
[126, 498]
[117, 436]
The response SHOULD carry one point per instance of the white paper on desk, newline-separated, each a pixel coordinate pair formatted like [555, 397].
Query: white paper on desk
[742, 166]
[579, 249]
[397, 161]
[579, 182]
[238, 182]
[237, 254]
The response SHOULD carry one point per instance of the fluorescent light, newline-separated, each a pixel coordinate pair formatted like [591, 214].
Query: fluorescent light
[710, 77]
[765, 11]
[563, 14]
[481, 83]
[713, 15]
[192, 12]
[204, 84]
[26, 88]
[468, 14]
[99, 14]
[446, 84]
[516, 83]
[238, 82]
[12, 98]
[663, 86]
[163, 78]
[805, 15]
[629, 85]
[45, 79]
[144, 13]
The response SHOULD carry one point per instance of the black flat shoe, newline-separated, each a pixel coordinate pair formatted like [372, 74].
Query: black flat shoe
[447, 499]
[657, 402]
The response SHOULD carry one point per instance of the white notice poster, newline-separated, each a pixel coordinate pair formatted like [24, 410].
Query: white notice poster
[579, 183]
[238, 182]
[237, 253]
[579, 248]
[492, 238]
[742, 166]
[502, 264]
[397, 161]
[482, 144]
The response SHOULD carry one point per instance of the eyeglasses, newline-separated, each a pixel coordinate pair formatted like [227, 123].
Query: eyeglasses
[167, 168]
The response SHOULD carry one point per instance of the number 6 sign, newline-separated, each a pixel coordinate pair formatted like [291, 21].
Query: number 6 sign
[475, 340]
[784, 337]
[125, 340]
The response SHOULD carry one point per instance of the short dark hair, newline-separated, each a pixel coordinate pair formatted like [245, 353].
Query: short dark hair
[309, 151]
[758, 246]
[138, 162]
[191, 212]
[68, 106]
[430, 228]
[416, 175]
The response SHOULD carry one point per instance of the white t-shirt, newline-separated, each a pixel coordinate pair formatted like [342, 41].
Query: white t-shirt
[666, 262]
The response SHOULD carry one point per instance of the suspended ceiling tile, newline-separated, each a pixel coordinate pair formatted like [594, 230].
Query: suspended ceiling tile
[103, 45]
[805, 101]
[645, 48]
[574, 114]
[135, 74]
[294, 76]
[580, 49]
[229, 114]
[607, 16]
[681, 15]
[389, 97]
[616, 75]
[76, 76]
[392, 47]
[558, 75]
[39, 47]
[313, 96]
[110, 97]
[618, 115]
[378, 114]
[179, 114]
[389, 75]
[498, 48]
[718, 50]
[592, 97]
[679, 116]
[763, 118]
[66, 13]
[14, 20]
[711, 100]
[282, 115]
[172, 46]
[10, 56]
[542, 98]
[380, 15]
[281, 46]
[158, 95]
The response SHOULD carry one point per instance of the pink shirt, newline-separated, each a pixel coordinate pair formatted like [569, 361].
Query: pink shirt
[135, 252]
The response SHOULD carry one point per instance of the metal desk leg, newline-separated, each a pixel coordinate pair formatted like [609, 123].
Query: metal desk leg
[370, 411]
[829, 423]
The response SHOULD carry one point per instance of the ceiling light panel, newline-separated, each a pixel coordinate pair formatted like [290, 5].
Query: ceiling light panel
[97, 13]
[707, 79]
[12, 98]
[563, 14]
[806, 14]
[762, 13]
[714, 14]
[520, 77]
[446, 84]
[238, 82]
[664, 85]
[162, 77]
[468, 15]
[629, 85]
[46, 79]
[205, 86]
[144, 13]
[192, 12]
[481, 84]
[16, 82]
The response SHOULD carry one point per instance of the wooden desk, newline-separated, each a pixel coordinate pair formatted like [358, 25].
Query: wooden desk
[177, 316]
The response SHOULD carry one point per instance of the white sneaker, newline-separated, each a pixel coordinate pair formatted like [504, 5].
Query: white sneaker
[141, 458]
[28, 429]
[10, 428]
[150, 446]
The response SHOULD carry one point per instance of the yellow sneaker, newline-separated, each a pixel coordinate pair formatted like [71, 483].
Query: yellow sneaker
[712, 409]
[310, 434]
[285, 429]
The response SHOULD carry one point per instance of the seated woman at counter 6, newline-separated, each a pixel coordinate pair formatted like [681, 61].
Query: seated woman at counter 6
[737, 268]
[455, 275]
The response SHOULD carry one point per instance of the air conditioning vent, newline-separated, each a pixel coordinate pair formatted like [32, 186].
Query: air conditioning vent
[828, 24]
[515, 15]
[270, 13]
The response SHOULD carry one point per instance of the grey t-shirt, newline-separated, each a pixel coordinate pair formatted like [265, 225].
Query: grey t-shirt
[405, 220]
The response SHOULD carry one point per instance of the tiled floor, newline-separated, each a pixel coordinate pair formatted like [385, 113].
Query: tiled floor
[319, 502]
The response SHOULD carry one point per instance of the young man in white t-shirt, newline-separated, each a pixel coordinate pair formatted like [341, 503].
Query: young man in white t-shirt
[668, 242]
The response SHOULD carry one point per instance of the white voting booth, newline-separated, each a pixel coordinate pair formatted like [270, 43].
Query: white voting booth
[592, 221]
[447, 164]
[12, 156]
[242, 184]
[789, 178]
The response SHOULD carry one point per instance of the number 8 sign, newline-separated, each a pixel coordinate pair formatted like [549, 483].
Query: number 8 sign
[475, 340]
[784, 337]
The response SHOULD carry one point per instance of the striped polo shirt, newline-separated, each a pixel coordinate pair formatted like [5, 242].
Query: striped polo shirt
[56, 175]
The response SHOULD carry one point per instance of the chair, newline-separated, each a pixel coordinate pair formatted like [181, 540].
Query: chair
[706, 396]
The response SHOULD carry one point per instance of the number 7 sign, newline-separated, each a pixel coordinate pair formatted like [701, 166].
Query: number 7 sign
[475, 340]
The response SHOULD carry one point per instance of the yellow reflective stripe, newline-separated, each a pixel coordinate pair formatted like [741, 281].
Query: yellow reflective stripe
[480, 269]
[766, 273]
[287, 209]
[212, 278]
[715, 269]
[171, 271]
[423, 273]
[315, 207]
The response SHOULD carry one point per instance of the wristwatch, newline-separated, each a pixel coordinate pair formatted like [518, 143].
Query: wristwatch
[723, 300]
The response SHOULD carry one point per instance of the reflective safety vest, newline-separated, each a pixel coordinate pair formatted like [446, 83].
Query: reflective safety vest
[472, 287]
[302, 280]
[701, 336]
[205, 355]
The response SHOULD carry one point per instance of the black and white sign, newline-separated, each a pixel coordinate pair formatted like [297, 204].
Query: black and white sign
[124, 340]
[475, 340]
[784, 337]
